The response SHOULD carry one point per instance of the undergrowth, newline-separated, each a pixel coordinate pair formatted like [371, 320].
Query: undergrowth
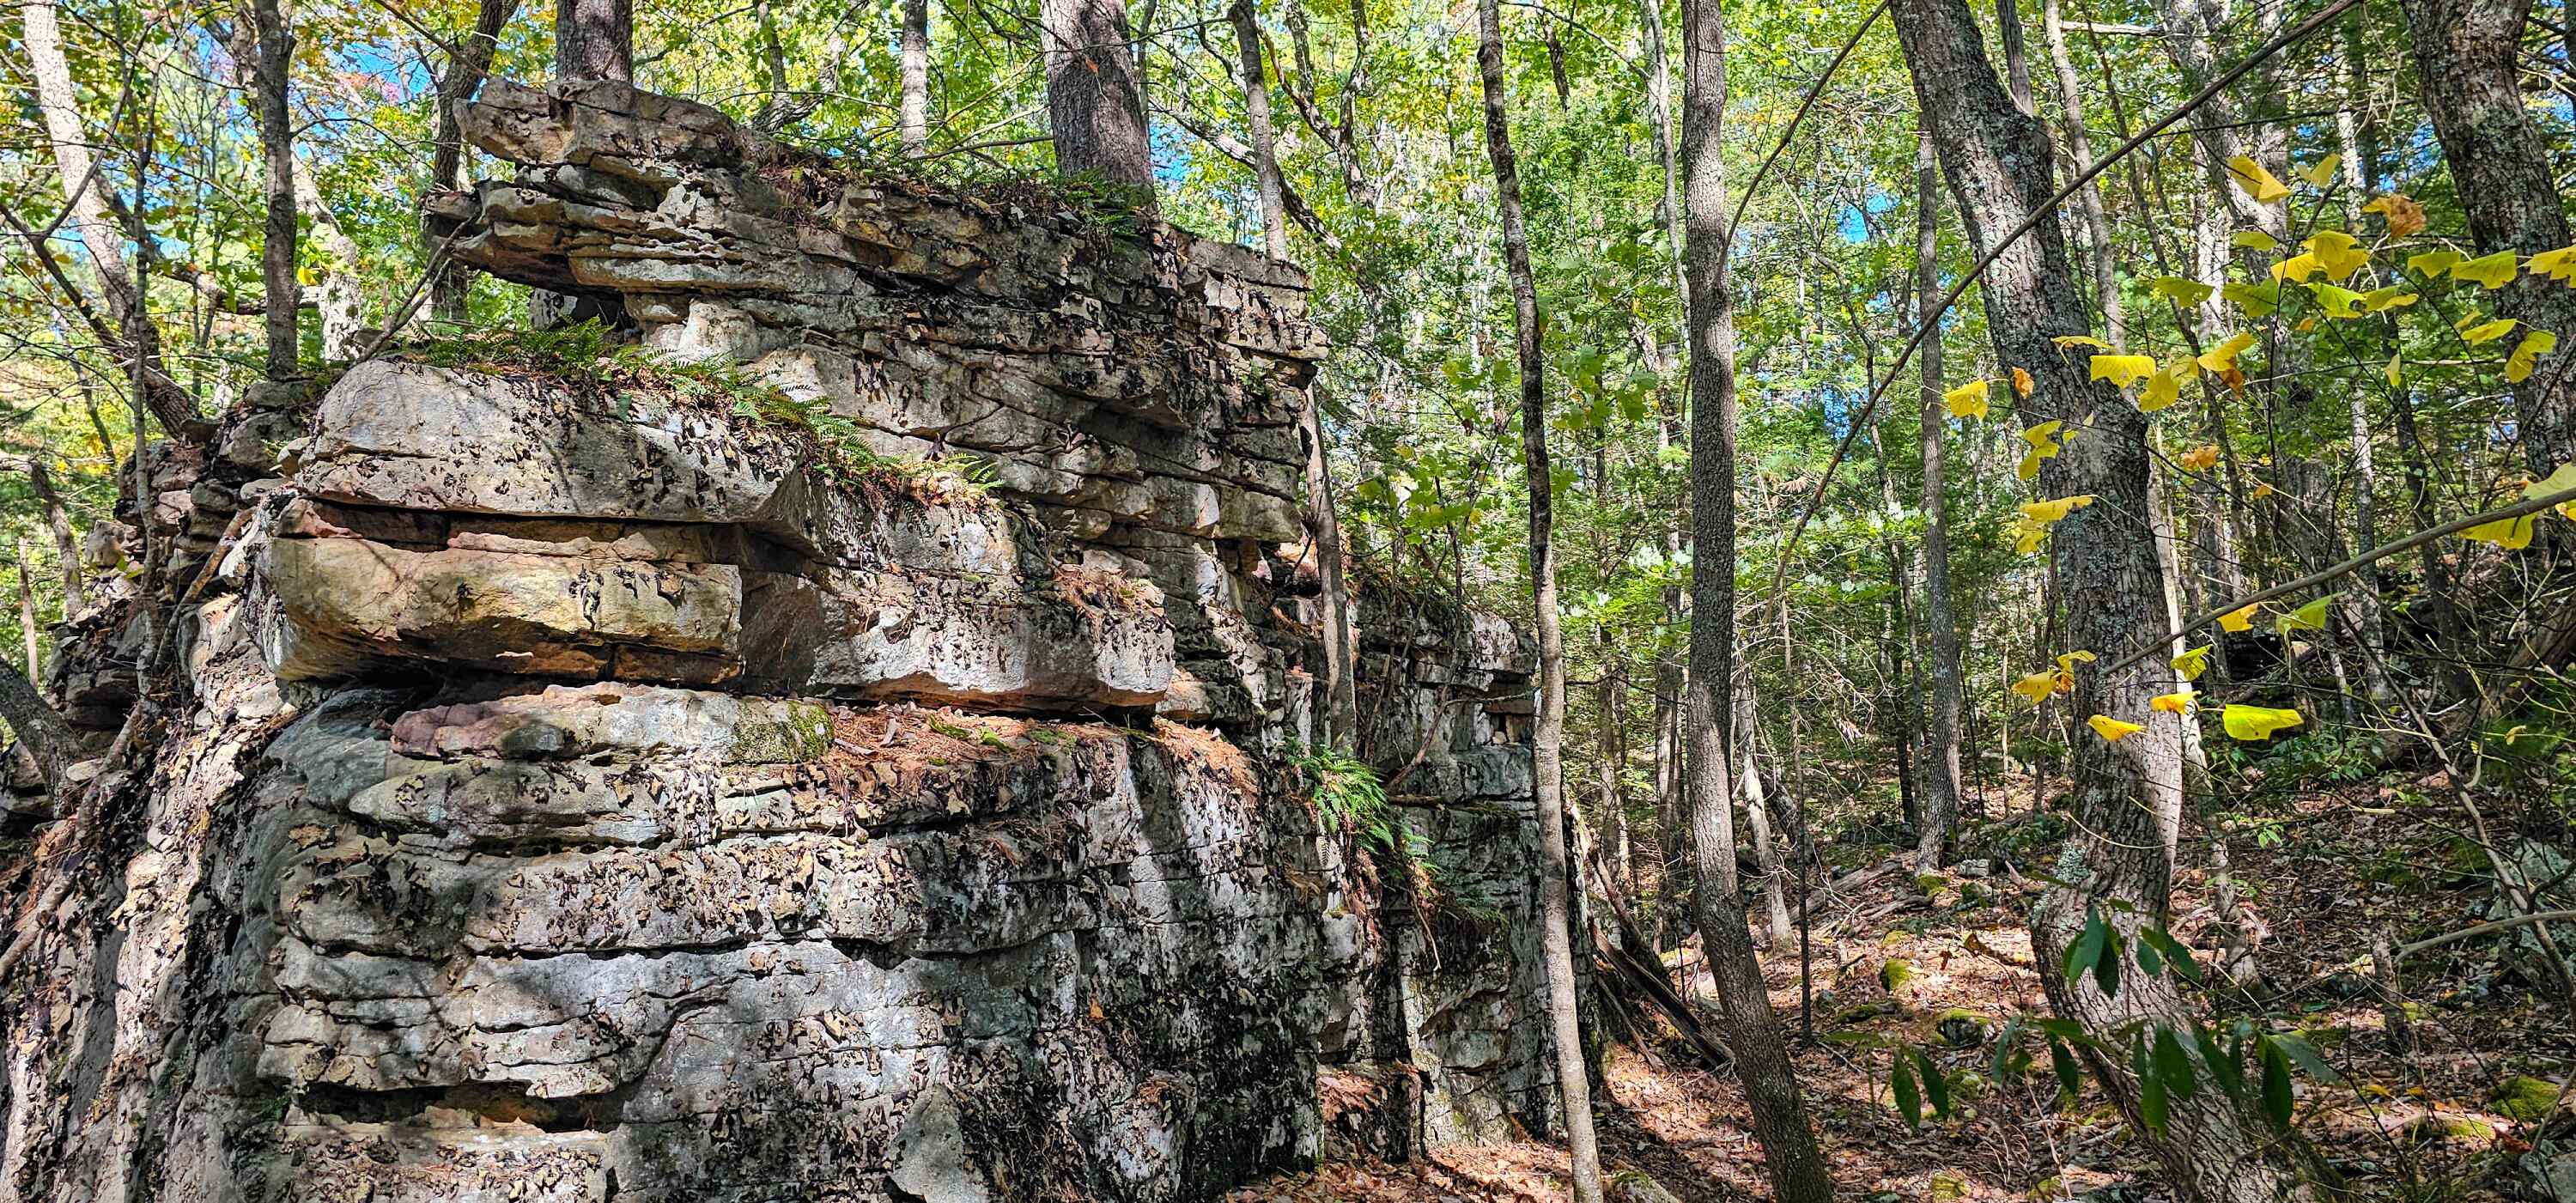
[1350, 800]
[590, 354]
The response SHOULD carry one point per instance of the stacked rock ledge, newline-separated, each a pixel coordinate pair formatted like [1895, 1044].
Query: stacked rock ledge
[581, 791]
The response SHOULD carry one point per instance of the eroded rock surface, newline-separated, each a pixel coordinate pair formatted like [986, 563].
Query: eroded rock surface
[568, 790]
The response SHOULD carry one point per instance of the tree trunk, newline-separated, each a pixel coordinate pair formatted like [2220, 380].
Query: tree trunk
[85, 191]
[2097, 220]
[272, 78]
[66, 547]
[1548, 740]
[1789, 1151]
[27, 613]
[469, 60]
[1659, 111]
[1094, 108]
[2111, 586]
[1940, 761]
[1256, 111]
[2016, 58]
[339, 306]
[595, 39]
[1341, 676]
[2466, 55]
[915, 128]
[1766, 854]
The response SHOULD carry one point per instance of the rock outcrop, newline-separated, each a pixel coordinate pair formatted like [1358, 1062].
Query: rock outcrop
[850, 767]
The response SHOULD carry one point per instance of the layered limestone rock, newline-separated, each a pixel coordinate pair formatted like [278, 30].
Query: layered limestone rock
[591, 782]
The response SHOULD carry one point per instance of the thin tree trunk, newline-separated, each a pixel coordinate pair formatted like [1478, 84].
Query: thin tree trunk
[2467, 56]
[2097, 220]
[27, 613]
[66, 548]
[1940, 761]
[339, 306]
[85, 191]
[595, 39]
[1341, 678]
[2016, 58]
[1547, 742]
[1094, 108]
[273, 77]
[915, 118]
[1766, 854]
[1659, 112]
[469, 60]
[2111, 586]
[1256, 111]
[1789, 1151]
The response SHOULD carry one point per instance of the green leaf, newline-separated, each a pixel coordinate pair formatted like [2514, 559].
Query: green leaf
[2185, 293]
[2175, 952]
[2257, 300]
[2152, 1102]
[2150, 962]
[1909, 1100]
[2106, 968]
[2307, 1058]
[1935, 1086]
[2309, 617]
[2221, 1062]
[2255, 240]
[2070, 1078]
[2087, 948]
[2000, 1069]
[2276, 1085]
[2173, 1065]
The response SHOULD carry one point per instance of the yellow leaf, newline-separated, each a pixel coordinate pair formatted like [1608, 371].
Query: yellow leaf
[2201, 458]
[2491, 272]
[1968, 400]
[2381, 300]
[2257, 300]
[2404, 217]
[2257, 722]
[2043, 437]
[2161, 392]
[2337, 252]
[2223, 356]
[308, 277]
[2308, 617]
[2525, 357]
[2038, 687]
[2263, 488]
[2080, 340]
[2559, 265]
[2488, 332]
[2255, 240]
[2174, 703]
[2512, 534]
[2111, 728]
[2180, 291]
[2261, 184]
[2028, 468]
[2052, 511]
[2022, 383]
[2027, 535]
[2066, 663]
[2123, 370]
[2194, 662]
[2322, 172]
[2434, 263]
[2239, 620]
[2390, 373]
[2559, 482]
[2297, 268]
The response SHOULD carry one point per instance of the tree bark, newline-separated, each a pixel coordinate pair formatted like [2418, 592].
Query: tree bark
[915, 120]
[1659, 111]
[1789, 1151]
[27, 612]
[469, 60]
[2097, 220]
[595, 39]
[1940, 760]
[66, 548]
[1256, 110]
[1548, 740]
[2111, 586]
[1094, 108]
[1341, 677]
[2466, 54]
[272, 78]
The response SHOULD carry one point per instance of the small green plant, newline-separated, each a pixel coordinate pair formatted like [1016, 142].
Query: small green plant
[1348, 796]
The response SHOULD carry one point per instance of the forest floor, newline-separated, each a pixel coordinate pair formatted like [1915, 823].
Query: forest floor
[2429, 1127]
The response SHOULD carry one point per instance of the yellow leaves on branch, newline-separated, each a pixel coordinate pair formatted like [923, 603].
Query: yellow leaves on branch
[2321, 173]
[2489, 272]
[2080, 340]
[2222, 358]
[2487, 332]
[2257, 182]
[2433, 263]
[2201, 458]
[1968, 400]
[2041, 686]
[2052, 511]
[2514, 534]
[2044, 445]
[2239, 620]
[2185, 293]
[2174, 703]
[2331, 252]
[2112, 729]
[2559, 265]
[2308, 617]
[2404, 217]
[2257, 722]
[2122, 370]
[2194, 662]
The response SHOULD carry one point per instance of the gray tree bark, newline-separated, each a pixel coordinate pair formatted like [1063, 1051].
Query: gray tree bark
[915, 119]
[1094, 108]
[1789, 1151]
[272, 78]
[595, 39]
[2112, 587]
[1256, 110]
[1547, 743]
[1940, 759]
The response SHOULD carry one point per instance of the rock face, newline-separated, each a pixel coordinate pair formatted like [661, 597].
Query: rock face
[572, 785]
